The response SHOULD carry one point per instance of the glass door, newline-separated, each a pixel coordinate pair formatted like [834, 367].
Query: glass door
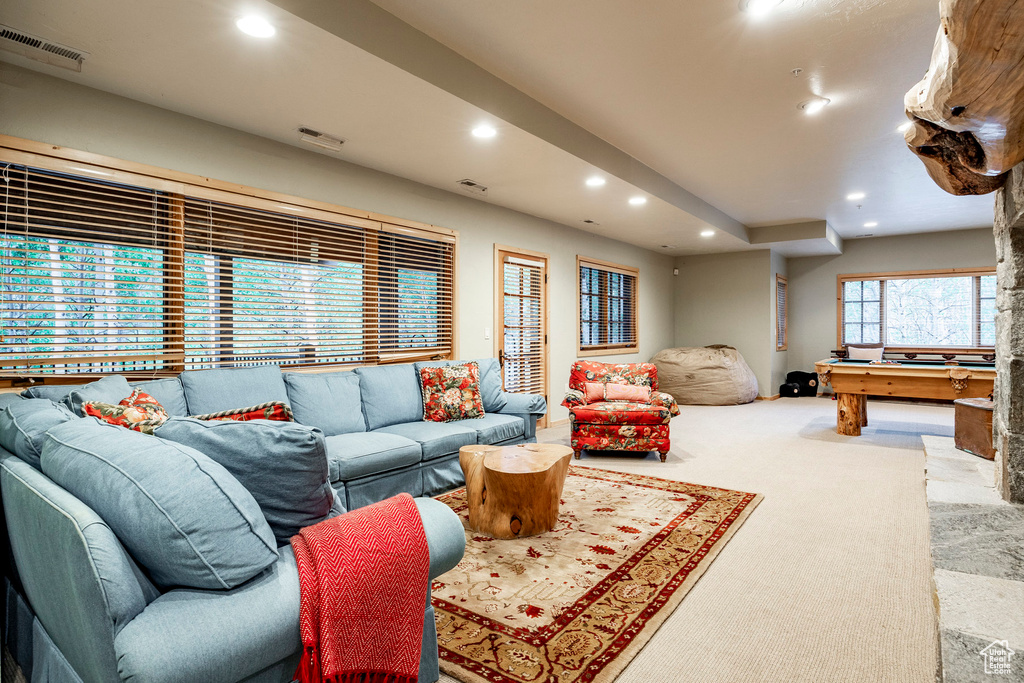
[522, 334]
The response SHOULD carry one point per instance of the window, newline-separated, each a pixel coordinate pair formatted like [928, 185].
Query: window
[781, 313]
[607, 296]
[99, 277]
[948, 310]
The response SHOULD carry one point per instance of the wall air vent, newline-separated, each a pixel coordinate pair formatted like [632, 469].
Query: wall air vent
[41, 49]
[315, 137]
[472, 186]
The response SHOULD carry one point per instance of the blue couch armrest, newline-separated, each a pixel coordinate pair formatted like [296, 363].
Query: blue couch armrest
[527, 406]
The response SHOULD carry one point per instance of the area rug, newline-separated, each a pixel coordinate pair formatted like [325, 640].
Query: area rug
[579, 602]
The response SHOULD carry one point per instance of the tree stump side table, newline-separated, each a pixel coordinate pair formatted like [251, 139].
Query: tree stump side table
[513, 491]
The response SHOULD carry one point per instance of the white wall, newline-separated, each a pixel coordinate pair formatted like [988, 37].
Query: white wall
[51, 110]
[812, 280]
[724, 299]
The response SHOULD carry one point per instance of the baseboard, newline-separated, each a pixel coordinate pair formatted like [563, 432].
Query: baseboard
[558, 423]
[768, 398]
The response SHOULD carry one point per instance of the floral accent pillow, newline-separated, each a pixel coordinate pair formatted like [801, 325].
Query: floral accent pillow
[627, 392]
[451, 392]
[139, 411]
[271, 410]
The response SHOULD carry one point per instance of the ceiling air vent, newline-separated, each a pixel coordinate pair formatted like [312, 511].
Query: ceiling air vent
[590, 222]
[41, 49]
[315, 137]
[472, 186]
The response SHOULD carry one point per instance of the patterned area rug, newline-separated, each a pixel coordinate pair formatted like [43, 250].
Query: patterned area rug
[579, 602]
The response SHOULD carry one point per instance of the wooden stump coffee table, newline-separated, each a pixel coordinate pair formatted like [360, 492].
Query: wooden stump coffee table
[513, 491]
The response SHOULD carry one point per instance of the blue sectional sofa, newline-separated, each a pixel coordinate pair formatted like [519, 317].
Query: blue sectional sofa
[83, 603]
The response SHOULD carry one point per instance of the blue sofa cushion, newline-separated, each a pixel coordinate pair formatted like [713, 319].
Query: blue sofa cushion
[392, 394]
[51, 392]
[435, 438]
[328, 400]
[181, 515]
[23, 426]
[7, 398]
[490, 380]
[211, 391]
[189, 635]
[110, 389]
[495, 427]
[282, 464]
[168, 392]
[361, 454]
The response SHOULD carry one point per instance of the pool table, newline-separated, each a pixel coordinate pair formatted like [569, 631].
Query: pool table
[853, 380]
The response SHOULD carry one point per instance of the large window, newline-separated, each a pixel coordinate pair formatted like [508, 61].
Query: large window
[607, 296]
[99, 277]
[919, 311]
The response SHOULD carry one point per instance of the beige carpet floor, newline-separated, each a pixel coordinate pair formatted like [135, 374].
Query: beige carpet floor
[830, 577]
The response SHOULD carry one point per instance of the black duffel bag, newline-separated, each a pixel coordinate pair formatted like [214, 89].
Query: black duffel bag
[806, 381]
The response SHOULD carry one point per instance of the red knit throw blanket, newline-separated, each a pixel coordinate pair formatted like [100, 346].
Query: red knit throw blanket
[363, 580]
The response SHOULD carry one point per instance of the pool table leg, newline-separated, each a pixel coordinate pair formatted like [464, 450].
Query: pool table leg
[863, 410]
[849, 410]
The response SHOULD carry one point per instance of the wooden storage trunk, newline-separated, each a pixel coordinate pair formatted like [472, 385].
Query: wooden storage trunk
[972, 426]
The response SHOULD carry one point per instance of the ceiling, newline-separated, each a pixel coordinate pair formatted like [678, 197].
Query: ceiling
[691, 105]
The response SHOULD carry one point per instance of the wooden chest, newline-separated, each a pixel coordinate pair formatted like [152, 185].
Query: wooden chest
[972, 426]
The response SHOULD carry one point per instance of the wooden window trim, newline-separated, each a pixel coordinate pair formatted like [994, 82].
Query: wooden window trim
[607, 349]
[909, 275]
[779, 279]
[177, 185]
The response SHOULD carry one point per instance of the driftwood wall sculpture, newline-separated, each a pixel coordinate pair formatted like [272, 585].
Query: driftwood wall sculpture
[968, 110]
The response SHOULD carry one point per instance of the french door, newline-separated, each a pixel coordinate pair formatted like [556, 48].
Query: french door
[522, 320]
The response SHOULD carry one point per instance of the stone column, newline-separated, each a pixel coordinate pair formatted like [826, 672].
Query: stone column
[1008, 420]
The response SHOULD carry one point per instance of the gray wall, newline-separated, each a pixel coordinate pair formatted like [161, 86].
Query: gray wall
[51, 110]
[812, 280]
[724, 299]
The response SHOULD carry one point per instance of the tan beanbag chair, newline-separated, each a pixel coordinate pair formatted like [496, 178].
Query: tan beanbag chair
[708, 376]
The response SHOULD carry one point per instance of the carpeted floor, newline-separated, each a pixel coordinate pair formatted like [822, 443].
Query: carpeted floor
[830, 580]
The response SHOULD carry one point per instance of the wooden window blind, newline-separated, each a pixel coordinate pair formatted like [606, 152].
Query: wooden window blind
[607, 307]
[523, 333]
[99, 277]
[781, 313]
[919, 311]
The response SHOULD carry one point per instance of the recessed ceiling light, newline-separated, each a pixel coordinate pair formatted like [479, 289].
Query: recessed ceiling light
[255, 26]
[638, 201]
[813, 106]
[854, 196]
[871, 224]
[707, 233]
[595, 181]
[905, 127]
[484, 131]
[759, 8]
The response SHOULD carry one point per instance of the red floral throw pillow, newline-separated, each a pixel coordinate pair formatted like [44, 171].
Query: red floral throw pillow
[451, 392]
[271, 410]
[139, 411]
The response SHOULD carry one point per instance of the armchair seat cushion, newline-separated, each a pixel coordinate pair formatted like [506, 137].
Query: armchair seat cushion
[359, 454]
[614, 412]
[435, 438]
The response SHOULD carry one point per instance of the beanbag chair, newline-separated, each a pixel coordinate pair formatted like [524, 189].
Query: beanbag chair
[709, 376]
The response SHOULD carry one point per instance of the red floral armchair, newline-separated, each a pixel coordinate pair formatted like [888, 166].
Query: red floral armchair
[609, 409]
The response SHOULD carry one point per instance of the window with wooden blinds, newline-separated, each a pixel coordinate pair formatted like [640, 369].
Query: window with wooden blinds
[607, 307]
[920, 310]
[781, 313]
[523, 333]
[99, 277]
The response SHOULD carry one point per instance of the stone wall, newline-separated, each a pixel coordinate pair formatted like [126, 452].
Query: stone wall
[1008, 420]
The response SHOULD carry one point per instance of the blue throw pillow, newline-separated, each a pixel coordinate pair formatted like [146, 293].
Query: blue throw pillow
[392, 394]
[23, 426]
[181, 515]
[328, 400]
[107, 389]
[51, 392]
[283, 465]
[211, 391]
